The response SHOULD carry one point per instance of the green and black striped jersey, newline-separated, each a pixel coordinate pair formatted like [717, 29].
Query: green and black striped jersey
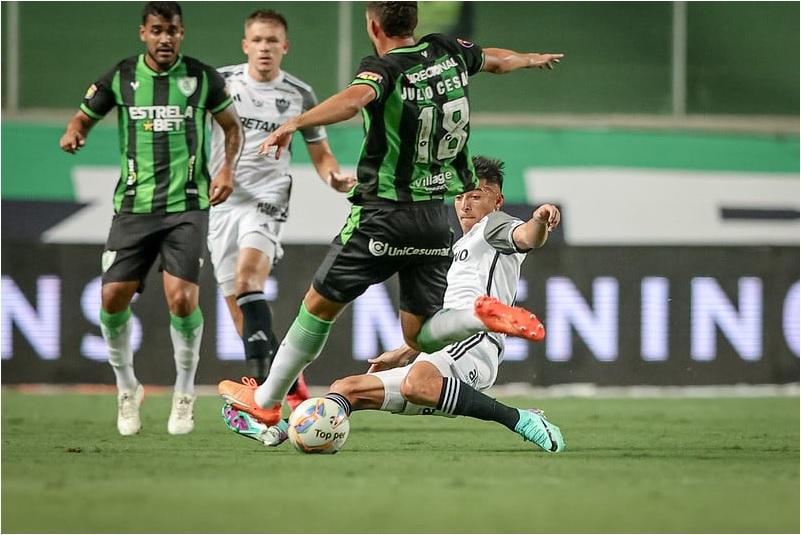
[162, 132]
[416, 129]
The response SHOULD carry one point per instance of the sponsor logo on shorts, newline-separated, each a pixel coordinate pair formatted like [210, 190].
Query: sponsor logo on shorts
[379, 248]
[107, 259]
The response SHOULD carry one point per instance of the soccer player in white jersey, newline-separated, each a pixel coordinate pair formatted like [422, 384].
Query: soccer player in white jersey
[450, 381]
[245, 232]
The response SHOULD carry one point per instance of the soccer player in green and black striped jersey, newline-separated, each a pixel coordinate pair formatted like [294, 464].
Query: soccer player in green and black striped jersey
[414, 98]
[162, 198]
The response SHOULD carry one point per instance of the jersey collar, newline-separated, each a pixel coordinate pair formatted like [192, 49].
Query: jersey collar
[263, 85]
[143, 64]
[416, 48]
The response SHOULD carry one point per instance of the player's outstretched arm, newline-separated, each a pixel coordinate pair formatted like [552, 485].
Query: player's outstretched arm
[501, 60]
[74, 137]
[223, 184]
[392, 359]
[534, 233]
[335, 109]
[328, 168]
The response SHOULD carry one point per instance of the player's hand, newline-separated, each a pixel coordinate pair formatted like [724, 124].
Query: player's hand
[342, 182]
[389, 360]
[548, 215]
[280, 139]
[543, 61]
[221, 187]
[72, 141]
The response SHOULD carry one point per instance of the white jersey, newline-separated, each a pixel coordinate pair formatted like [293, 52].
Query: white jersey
[486, 261]
[262, 108]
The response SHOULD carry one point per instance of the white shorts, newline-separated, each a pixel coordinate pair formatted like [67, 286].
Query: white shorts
[474, 361]
[237, 228]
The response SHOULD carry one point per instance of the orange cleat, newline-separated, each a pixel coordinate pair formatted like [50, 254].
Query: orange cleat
[242, 397]
[299, 394]
[514, 321]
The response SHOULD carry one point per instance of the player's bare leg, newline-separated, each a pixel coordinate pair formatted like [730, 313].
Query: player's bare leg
[186, 332]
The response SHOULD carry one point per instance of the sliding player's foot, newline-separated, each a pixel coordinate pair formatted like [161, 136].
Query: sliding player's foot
[514, 321]
[242, 397]
[533, 427]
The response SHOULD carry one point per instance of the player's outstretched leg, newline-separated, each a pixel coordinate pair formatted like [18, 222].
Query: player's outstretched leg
[459, 398]
[514, 321]
[449, 326]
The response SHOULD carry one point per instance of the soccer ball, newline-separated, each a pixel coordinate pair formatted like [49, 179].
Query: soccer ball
[318, 425]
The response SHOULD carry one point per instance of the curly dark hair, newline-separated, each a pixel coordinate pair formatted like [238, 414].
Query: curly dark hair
[489, 169]
[166, 10]
[397, 19]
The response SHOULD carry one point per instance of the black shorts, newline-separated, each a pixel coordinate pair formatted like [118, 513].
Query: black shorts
[135, 240]
[380, 239]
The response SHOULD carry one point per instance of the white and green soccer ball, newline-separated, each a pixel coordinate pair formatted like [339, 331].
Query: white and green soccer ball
[318, 425]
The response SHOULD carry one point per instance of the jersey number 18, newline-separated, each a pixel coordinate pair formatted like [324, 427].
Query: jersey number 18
[456, 115]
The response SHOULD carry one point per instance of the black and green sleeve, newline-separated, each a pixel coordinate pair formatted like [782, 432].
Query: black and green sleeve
[100, 98]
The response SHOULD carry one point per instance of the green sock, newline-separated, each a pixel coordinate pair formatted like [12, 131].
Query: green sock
[114, 322]
[187, 325]
[302, 344]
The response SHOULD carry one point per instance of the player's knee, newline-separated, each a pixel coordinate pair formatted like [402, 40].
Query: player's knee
[416, 390]
[248, 280]
[343, 387]
[115, 297]
[182, 302]
[421, 385]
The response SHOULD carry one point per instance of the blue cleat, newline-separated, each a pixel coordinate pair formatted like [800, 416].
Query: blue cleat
[533, 427]
[245, 425]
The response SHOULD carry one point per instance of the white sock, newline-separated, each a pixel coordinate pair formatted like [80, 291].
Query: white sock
[449, 326]
[187, 355]
[120, 356]
[288, 362]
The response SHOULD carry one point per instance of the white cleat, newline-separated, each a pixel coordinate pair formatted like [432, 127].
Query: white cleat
[182, 419]
[128, 402]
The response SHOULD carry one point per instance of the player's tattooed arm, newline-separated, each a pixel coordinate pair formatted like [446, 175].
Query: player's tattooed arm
[534, 233]
[392, 359]
[328, 168]
[223, 184]
[335, 109]
[501, 60]
[74, 137]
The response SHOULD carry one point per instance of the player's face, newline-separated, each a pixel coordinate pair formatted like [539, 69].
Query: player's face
[265, 44]
[471, 207]
[162, 38]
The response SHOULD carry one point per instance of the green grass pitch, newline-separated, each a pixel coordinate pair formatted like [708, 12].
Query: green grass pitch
[632, 465]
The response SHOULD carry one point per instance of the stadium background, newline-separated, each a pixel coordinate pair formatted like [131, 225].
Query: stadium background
[671, 147]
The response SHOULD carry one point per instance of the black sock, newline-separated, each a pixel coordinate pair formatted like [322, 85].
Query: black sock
[340, 400]
[461, 399]
[257, 333]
